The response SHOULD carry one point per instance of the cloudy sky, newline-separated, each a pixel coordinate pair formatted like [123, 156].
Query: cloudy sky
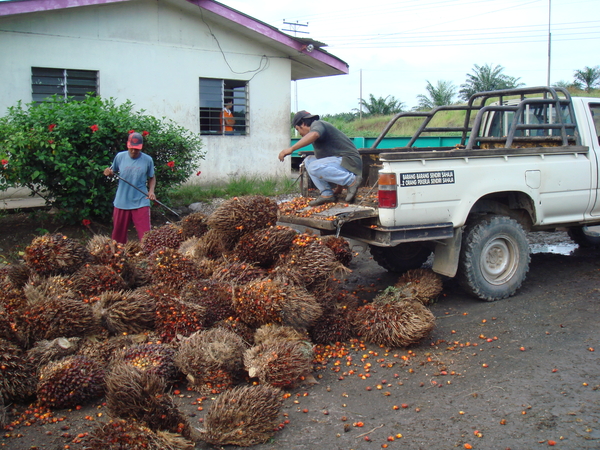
[395, 46]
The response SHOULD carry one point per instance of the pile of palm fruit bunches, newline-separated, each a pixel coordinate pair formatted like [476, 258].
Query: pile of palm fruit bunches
[230, 303]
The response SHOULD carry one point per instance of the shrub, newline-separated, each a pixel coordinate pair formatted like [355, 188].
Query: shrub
[58, 149]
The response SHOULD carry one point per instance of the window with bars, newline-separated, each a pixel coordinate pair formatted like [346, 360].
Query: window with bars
[46, 82]
[223, 107]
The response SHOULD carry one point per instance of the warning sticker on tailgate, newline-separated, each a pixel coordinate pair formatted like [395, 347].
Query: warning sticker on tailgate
[426, 178]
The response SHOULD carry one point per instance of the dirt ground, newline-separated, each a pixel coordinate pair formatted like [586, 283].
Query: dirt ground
[521, 373]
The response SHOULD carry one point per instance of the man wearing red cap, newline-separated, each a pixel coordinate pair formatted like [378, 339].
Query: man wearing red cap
[336, 159]
[130, 204]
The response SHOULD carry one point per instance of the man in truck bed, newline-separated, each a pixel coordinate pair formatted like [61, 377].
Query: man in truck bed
[336, 159]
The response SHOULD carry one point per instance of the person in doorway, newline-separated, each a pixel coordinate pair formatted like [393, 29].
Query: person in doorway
[226, 119]
[335, 161]
[131, 205]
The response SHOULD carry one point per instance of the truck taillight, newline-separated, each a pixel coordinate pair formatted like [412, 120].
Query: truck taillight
[388, 195]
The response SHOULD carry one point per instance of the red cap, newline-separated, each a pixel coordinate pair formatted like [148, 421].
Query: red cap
[135, 141]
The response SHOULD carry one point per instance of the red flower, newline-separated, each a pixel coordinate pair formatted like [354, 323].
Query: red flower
[171, 164]
[4, 162]
[145, 133]
[51, 126]
[94, 128]
[198, 173]
[86, 222]
[51, 141]
[131, 131]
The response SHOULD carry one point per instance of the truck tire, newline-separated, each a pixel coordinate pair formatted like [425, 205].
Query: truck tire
[581, 237]
[402, 257]
[494, 257]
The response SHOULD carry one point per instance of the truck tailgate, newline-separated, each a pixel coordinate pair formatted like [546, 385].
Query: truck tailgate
[328, 219]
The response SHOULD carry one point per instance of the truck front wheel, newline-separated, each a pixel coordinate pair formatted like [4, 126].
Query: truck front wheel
[402, 257]
[494, 257]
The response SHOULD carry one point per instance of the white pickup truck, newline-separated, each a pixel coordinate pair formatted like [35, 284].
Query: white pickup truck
[528, 160]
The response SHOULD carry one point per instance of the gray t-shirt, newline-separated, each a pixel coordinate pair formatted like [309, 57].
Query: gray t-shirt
[332, 142]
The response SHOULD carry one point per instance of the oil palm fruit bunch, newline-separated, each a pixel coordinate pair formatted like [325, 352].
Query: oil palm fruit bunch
[171, 268]
[311, 259]
[340, 247]
[166, 236]
[55, 254]
[17, 375]
[335, 324]
[9, 329]
[214, 243]
[121, 434]
[133, 394]
[12, 299]
[300, 309]
[59, 316]
[260, 301]
[235, 325]
[282, 364]
[71, 381]
[104, 348]
[423, 285]
[238, 273]
[189, 248]
[263, 246]
[240, 215]
[174, 316]
[154, 358]
[109, 252]
[212, 360]
[193, 225]
[38, 288]
[125, 311]
[243, 416]
[274, 332]
[93, 280]
[396, 324]
[18, 274]
[214, 296]
[45, 351]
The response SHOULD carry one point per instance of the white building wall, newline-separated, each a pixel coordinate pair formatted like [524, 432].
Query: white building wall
[154, 53]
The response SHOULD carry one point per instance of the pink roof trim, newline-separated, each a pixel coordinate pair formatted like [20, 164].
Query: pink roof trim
[22, 7]
[270, 32]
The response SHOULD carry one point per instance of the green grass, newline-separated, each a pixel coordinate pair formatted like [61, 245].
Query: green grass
[236, 187]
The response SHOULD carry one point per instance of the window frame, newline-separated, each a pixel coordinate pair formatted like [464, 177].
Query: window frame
[66, 83]
[213, 92]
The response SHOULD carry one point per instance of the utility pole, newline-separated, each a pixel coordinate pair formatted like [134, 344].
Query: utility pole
[295, 29]
[360, 99]
[549, 38]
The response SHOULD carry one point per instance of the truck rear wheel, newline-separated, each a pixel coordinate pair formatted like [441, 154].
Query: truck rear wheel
[402, 257]
[494, 257]
[584, 238]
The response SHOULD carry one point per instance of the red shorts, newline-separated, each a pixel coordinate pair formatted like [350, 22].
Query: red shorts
[123, 217]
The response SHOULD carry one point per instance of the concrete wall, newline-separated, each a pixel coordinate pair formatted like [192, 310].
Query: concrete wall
[153, 52]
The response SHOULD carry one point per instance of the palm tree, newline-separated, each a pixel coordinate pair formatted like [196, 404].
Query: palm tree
[440, 95]
[381, 106]
[487, 78]
[587, 78]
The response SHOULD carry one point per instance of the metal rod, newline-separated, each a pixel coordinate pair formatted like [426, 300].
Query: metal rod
[145, 193]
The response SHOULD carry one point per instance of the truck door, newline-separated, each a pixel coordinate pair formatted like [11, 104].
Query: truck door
[594, 127]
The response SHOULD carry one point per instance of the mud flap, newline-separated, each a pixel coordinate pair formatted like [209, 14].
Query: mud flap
[447, 253]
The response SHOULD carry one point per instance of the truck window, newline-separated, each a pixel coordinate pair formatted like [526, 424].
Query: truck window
[595, 111]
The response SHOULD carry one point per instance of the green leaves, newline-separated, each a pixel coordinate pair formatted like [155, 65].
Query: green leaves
[59, 149]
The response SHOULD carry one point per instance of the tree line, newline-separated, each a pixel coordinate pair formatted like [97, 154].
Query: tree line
[482, 78]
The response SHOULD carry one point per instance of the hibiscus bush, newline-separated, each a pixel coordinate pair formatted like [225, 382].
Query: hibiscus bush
[59, 148]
